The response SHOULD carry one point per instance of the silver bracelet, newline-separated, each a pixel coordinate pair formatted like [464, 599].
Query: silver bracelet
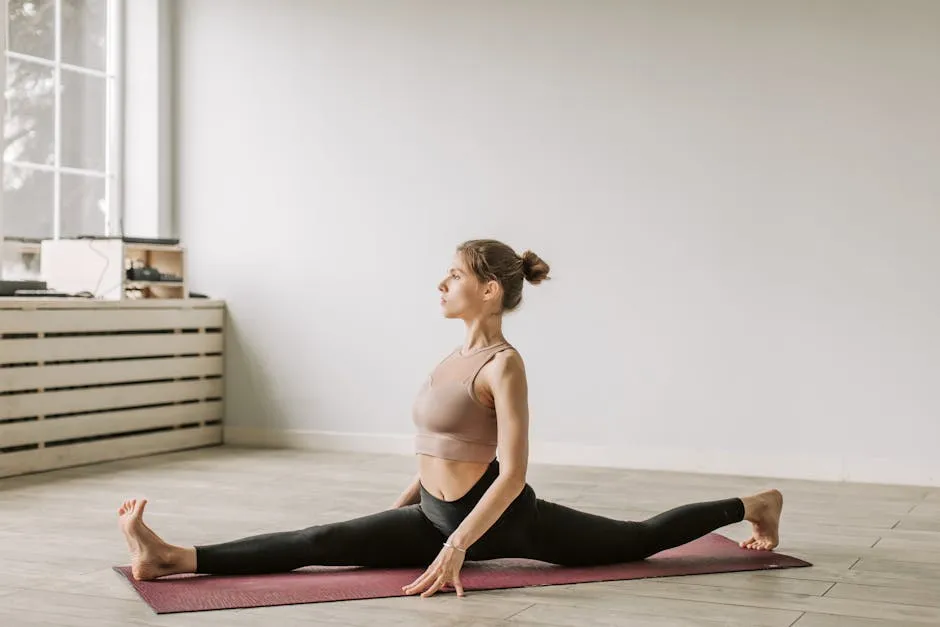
[449, 545]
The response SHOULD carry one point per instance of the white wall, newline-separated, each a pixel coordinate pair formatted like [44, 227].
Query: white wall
[740, 201]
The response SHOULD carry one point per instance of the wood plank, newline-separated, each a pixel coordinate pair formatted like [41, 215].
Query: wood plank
[105, 372]
[895, 566]
[474, 605]
[108, 346]
[63, 609]
[920, 523]
[756, 581]
[933, 496]
[906, 538]
[926, 508]
[843, 573]
[905, 553]
[649, 613]
[81, 426]
[567, 600]
[412, 613]
[91, 399]
[811, 619]
[104, 450]
[89, 320]
[927, 593]
[780, 601]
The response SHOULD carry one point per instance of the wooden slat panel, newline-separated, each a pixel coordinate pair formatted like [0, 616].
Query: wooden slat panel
[103, 372]
[76, 320]
[107, 346]
[45, 403]
[107, 450]
[70, 427]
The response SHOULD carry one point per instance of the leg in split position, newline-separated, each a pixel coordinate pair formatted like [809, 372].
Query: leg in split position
[562, 535]
[398, 537]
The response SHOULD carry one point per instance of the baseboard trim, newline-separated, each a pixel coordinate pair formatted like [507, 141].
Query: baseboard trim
[818, 467]
[389, 443]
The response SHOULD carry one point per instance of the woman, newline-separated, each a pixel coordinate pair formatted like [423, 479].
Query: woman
[463, 503]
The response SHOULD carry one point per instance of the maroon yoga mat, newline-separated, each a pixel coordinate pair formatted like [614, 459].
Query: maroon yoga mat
[713, 553]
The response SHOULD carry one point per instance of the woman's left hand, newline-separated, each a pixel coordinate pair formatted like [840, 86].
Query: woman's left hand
[444, 570]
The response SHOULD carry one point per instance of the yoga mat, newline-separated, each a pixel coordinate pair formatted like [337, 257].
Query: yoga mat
[713, 553]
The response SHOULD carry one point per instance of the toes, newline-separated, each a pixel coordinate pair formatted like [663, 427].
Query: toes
[143, 504]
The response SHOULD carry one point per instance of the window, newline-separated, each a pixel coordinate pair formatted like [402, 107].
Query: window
[60, 174]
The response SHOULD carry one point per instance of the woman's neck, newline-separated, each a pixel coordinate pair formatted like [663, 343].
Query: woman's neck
[482, 332]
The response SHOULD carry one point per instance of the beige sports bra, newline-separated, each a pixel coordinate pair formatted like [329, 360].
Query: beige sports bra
[452, 422]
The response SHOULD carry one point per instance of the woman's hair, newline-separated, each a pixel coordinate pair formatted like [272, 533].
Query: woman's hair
[492, 260]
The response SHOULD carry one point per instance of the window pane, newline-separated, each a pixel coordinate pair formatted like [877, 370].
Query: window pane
[32, 27]
[83, 208]
[29, 122]
[27, 202]
[83, 121]
[84, 33]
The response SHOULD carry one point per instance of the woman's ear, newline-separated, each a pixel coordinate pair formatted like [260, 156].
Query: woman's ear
[492, 290]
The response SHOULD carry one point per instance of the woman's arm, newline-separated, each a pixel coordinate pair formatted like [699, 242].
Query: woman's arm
[510, 393]
[411, 495]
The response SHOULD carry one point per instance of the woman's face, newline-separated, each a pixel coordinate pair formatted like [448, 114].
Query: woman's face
[462, 294]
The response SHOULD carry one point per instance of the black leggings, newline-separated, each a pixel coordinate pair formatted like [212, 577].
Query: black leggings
[412, 536]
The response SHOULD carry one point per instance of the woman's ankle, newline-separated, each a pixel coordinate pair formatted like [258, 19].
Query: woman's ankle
[182, 560]
[752, 507]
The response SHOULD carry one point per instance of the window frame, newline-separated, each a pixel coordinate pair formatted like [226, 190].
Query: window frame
[114, 115]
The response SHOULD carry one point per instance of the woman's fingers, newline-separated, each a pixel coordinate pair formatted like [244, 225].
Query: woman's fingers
[437, 586]
[458, 585]
[420, 581]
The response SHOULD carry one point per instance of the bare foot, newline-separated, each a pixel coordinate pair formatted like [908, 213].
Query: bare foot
[151, 557]
[763, 512]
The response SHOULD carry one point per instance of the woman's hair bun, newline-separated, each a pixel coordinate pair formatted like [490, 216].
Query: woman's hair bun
[533, 268]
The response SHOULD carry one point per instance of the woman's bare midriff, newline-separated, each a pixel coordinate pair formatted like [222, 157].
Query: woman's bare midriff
[447, 479]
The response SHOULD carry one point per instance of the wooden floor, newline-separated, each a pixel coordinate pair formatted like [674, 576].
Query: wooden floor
[876, 549]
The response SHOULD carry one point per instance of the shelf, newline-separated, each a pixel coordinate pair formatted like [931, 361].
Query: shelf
[160, 247]
[131, 284]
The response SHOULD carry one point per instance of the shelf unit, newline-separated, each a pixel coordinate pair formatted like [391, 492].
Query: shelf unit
[100, 267]
[164, 258]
